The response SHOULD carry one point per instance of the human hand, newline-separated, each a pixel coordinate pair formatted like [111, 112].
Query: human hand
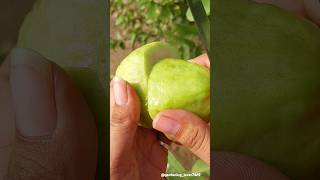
[185, 127]
[47, 130]
[193, 133]
[135, 152]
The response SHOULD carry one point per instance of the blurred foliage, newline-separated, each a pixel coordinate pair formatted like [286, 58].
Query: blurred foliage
[142, 21]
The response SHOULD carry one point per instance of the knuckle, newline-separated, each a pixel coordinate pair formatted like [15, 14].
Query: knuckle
[121, 117]
[195, 139]
[31, 161]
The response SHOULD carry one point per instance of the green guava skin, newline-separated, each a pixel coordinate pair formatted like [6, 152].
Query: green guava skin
[136, 68]
[178, 84]
[72, 33]
[267, 81]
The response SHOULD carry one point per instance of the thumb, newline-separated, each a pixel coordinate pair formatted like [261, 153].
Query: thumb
[187, 129]
[202, 60]
[51, 117]
[124, 117]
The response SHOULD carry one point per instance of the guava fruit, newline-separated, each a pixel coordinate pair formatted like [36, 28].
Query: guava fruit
[267, 81]
[72, 33]
[136, 67]
[164, 82]
[177, 83]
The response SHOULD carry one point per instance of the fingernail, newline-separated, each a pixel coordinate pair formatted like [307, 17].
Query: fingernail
[166, 125]
[32, 87]
[120, 91]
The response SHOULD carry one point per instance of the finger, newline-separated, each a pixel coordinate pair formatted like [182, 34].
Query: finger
[32, 86]
[31, 82]
[187, 129]
[124, 117]
[312, 8]
[149, 149]
[55, 129]
[202, 60]
[294, 6]
[7, 125]
[230, 166]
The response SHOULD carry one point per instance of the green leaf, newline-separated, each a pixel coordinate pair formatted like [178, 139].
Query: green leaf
[153, 10]
[119, 21]
[206, 5]
[174, 165]
[166, 13]
[201, 21]
[133, 39]
[186, 30]
[118, 36]
[113, 43]
[122, 45]
[201, 167]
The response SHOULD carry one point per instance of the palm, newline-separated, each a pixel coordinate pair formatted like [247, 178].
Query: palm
[151, 157]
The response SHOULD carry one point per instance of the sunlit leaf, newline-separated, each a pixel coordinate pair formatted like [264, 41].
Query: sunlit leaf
[201, 167]
[206, 5]
[153, 10]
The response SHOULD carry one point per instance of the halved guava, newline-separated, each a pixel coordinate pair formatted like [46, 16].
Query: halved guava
[136, 68]
[164, 82]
